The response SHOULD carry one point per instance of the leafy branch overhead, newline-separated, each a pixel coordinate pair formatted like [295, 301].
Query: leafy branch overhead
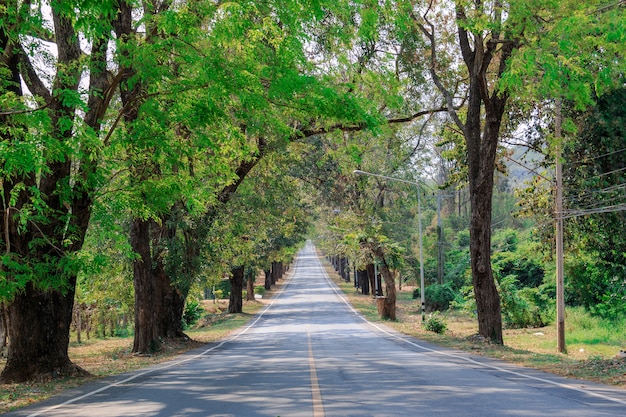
[195, 138]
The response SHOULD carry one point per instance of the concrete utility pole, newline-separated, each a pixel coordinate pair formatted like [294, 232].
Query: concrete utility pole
[560, 294]
[440, 242]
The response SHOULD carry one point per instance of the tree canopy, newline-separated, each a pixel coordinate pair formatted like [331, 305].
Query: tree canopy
[190, 136]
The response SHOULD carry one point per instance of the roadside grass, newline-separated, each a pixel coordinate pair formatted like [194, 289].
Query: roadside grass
[592, 344]
[111, 356]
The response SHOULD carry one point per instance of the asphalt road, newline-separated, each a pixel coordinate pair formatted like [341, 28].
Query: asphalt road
[310, 354]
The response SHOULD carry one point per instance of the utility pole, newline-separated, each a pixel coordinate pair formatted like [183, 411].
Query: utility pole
[440, 242]
[419, 228]
[560, 294]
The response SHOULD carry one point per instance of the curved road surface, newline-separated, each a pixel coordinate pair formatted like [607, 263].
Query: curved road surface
[310, 354]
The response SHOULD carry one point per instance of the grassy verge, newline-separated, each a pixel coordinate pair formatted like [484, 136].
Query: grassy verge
[111, 356]
[591, 352]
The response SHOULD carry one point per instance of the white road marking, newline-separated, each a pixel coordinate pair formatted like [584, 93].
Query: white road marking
[156, 369]
[464, 358]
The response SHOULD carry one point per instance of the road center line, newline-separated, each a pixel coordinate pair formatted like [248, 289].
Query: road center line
[316, 394]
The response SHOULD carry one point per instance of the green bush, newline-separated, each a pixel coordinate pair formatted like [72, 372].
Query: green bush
[521, 308]
[458, 271]
[259, 289]
[223, 288]
[466, 300]
[193, 312]
[123, 331]
[528, 270]
[435, 323]
[416, 293]
[438, 297]
[597, 285]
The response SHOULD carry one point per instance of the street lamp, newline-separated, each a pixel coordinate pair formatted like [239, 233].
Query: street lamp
[419, 227]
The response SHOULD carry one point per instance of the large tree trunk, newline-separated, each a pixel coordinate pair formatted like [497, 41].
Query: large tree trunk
[235, 304]
[344, 270]
[159, 306]
[277, 271]
[39, 336]
[268, 279]
[364, 281]
[250, 278]
[389, 302]
[481, 152]
[148, 297]
[372, 278]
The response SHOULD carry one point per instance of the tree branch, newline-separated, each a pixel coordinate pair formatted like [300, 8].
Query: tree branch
[306, 133]
[31, 79]
[430, 35]
[22, 111]
[464, 43]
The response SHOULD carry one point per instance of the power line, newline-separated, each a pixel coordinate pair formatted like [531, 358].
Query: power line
[600, 210]
[593, 158]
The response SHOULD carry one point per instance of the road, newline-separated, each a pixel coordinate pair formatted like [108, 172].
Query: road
[309, 354]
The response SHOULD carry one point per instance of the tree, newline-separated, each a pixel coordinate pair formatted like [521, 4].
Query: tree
[485, 46]
[145, 69]
[474, 52]
[49, 174]
[257, 93]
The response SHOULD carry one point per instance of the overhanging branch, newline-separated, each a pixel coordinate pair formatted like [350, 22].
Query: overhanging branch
[306, 133]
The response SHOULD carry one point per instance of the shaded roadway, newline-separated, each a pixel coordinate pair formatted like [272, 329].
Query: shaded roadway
[309, 354]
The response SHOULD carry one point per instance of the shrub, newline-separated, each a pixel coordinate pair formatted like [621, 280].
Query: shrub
[193, 312]
[465, 301]
[122, 332]
[435, 323]
[597, 285]
[521, 308]
[224, 287]
[439, 296]
[259, 289]
[416, 293]
[529, 271]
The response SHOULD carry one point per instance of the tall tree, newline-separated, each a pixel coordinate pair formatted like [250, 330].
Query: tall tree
[143, 60]
[485, 45]
[49, 175]
[474, 52]
[251, 90]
